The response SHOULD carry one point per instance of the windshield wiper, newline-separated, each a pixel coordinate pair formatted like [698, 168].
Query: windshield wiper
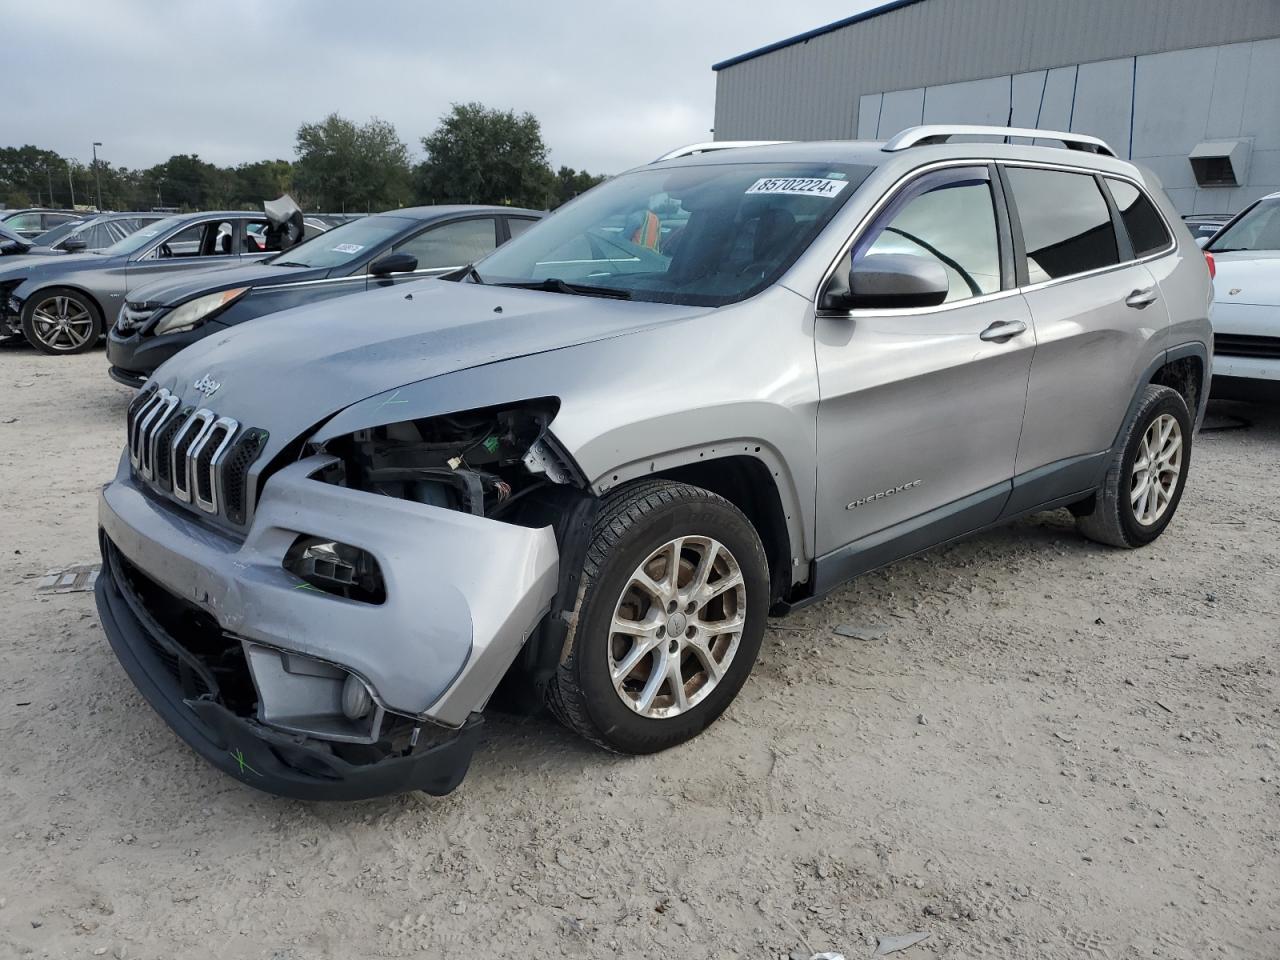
[287, 263]
[556, 285]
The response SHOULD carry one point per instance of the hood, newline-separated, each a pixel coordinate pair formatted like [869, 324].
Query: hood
[1253, 274]
[171, 291]
[290, 371]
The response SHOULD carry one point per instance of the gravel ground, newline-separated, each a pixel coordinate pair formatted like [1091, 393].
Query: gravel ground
[1050, 749]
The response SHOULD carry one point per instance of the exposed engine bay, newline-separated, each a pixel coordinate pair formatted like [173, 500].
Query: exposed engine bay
[480, 462]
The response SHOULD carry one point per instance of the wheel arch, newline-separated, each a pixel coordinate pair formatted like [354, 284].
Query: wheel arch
[1186, 370]
[74, 288]
[750, 475]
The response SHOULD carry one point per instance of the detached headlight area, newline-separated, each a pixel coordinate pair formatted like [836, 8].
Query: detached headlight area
[336, 568]
[481, 462]
[196, 311]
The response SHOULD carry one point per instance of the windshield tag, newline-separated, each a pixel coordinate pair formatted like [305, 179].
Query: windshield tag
[348, 248]
[803, 186]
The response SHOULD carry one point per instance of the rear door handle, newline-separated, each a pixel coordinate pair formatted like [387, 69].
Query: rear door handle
[1003, 330]
[1141, 299]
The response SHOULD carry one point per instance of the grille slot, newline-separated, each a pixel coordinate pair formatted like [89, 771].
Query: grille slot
[200, 458]
[1242, 345]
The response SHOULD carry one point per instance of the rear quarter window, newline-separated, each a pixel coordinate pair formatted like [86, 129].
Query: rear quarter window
[1142, 221]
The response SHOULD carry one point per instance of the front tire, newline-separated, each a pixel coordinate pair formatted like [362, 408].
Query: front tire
[1146, 476]
[61, 321]
[669, 618]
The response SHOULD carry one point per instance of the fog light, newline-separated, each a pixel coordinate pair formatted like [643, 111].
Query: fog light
[336, 568]
[356, 702]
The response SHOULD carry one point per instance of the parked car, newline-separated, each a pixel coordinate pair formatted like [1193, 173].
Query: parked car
[163, 317]
[59, 304]
[1246, 303]
[93, 233]
[1205, 225]
[594, 467]
[30, 222]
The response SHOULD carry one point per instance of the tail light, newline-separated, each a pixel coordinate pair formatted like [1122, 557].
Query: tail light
[1213, 267]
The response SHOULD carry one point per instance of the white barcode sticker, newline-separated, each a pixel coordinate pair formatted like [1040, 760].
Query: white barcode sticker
[348, 248]
[804, 186]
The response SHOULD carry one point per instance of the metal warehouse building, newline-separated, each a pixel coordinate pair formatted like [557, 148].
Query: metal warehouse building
[1188, 88]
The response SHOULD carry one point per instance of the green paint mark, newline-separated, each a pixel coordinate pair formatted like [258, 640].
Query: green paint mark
[391, 399]
[307, 586]
[239, 758]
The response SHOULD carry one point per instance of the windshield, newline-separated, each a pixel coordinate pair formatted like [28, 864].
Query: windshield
[1258, 229]
[50, 237]
[703, 235]
[343, 244]
[136, 241]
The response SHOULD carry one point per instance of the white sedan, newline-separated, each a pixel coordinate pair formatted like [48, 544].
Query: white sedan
[1246, 300]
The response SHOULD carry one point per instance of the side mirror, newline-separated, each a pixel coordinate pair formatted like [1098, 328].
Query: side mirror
[72, 244]
[889, 281]
[1203, 242]
[393, 263]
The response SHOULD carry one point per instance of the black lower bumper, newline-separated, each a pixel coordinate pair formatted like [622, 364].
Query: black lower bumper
[128, 377]
[263, 758]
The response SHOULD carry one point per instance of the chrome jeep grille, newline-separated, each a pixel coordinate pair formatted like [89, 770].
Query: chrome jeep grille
[195, 455]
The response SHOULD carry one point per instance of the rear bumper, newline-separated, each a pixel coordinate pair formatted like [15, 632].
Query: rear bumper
[266, 759]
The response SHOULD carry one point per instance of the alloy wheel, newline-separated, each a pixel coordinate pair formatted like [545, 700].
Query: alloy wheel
[1156, 469]
[677, 626]
[62, 323]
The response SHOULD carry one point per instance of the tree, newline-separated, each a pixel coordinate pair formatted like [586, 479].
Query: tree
[479, 155]
[30, 175]
[342, 165]
[571, 182]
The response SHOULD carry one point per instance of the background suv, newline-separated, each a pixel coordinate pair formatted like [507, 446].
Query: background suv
[708, 389]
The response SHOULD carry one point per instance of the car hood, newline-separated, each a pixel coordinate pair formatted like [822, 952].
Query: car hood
[1251, 277]
[171, 291]
[292, 371]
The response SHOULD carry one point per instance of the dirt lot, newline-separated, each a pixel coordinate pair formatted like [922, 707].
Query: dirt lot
[1055, 750]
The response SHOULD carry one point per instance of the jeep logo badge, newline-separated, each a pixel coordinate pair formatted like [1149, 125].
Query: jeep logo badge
[207, 386]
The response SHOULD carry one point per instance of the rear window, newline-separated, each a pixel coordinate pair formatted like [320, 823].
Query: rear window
[1066, 223]
[1141, 220]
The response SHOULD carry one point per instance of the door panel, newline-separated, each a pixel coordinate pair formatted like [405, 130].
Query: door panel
[918, 401]
[1098, 321]
[1091, 348]
[918, 410]
[198, 246]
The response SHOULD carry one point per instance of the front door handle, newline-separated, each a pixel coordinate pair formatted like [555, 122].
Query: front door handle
[1003, 330]
[1141, 299]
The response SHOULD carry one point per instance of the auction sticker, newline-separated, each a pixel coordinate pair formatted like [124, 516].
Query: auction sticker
[803, 186]
[348, 248]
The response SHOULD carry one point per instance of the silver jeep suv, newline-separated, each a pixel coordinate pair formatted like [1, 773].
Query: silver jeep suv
[589, 466]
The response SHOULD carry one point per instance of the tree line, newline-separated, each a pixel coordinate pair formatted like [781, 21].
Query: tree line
[475, 155]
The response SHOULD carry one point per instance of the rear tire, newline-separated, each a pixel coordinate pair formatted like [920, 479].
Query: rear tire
[689, 638]
[1146, 476]
[61, 321]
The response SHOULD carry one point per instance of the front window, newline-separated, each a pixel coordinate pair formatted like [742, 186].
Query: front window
[136, 241]
[703, 235]
[343, 244]
[1257, 229]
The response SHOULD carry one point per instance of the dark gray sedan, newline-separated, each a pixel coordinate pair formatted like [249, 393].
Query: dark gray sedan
[94, 232]
[376, 251]
[61, 304]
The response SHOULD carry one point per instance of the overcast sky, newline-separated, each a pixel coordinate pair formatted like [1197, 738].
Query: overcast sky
[614, 84]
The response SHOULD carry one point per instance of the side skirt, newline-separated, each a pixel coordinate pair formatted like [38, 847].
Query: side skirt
[1046, 488]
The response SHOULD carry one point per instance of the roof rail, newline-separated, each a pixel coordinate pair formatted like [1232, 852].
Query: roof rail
[941, 133]
[708, 147]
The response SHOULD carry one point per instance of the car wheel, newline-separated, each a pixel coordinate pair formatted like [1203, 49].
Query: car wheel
[1146, 476]
[669, 618]
[59, 320]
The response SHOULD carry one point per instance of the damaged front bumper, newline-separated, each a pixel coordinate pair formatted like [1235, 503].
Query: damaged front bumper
[247, 662]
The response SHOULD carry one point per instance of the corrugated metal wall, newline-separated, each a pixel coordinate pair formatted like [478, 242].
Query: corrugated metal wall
[811, 90]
